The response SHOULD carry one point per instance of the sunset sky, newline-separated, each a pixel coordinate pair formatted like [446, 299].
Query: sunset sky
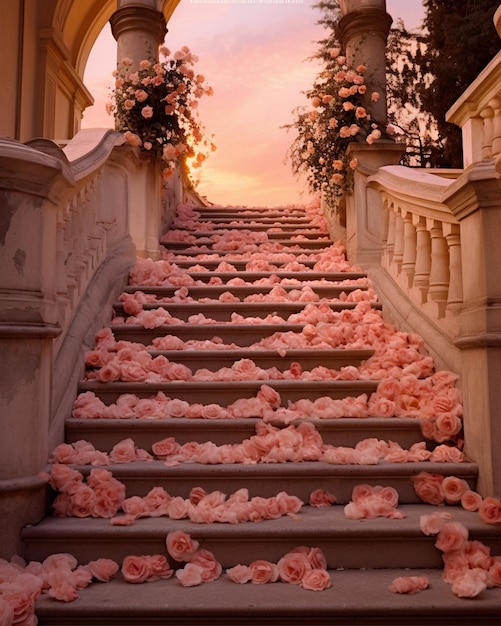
[254, 55]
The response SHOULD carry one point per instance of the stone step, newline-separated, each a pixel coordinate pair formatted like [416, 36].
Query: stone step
[240, 265]
[214, 360]
[376, 543]
[217, 228]
[226, 255]
[227, 392]
[104, 433]
[268, 479]
[255, 276]
[355, 597]
[242, 291]
[303, 244]
[242, 334]
[223, 311]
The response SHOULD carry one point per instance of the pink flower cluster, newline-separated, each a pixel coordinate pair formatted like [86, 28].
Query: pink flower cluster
[369, 501]
[84, 453]
[303, 566]
[59, 575]
[468, 565]
[293, 443]
[437, 489]
[100, 495]
[205, 508]
[201, 565]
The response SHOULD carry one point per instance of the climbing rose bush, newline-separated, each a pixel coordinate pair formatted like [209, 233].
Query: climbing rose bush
[157, 108]
[337, 114]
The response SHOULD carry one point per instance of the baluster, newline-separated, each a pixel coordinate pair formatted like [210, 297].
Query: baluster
[390, 242]
[398, 251]
[409, 256]
[495, 103]
[423, 257]
[451, 232]
[487, 115]
[439, 272]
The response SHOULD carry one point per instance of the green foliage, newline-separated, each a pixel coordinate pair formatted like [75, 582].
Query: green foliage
[461, 40]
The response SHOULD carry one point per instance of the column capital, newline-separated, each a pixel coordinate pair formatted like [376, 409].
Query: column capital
[363, 21]
[138, 18]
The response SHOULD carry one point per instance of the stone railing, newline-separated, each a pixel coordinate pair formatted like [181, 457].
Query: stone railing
[434, 260]
[72, 221]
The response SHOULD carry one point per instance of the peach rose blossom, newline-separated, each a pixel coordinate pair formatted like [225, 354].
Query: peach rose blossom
[140, 569]
[293, 566]
[490, 510]
[211, 568]
[6, 613]
[432, 524]
[321, 498]
[262, 572]
[240, 574]
[82, 502]
[159, 567]
[494, 573]
[447, 454]
[316, 580]
[470, 583]
[181, 546]
[190, 575]
[103, 569]
[451, 537]
[409, 584]
[428, 487]
[165, 448]
[453, 489]
[471, 500]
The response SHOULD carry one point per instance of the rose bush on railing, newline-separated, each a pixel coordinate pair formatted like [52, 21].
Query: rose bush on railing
[337, 115]
[156, 107]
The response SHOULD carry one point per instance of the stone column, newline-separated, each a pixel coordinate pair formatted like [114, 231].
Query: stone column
[139, 29]
[363, 31]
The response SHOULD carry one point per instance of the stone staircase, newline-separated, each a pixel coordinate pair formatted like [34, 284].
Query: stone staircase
[288, 251]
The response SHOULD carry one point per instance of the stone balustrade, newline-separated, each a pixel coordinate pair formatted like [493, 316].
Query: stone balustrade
[72, 222]
[421, 247]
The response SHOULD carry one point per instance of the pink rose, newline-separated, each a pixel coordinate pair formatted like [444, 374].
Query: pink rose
[123, 452]
[432, 524]
[316, 580]
[159, 567]
[428, 487]
[103, 569]
[132, 372]
[453, 489]
[263, 572]
[211, 568]
[181, 546]
[147, 112]
[470, 583]
[214, 411]
[240, 574]
[321, 498]
[293, 566]
[452, 537]
[109, 372]
[269, 395]
[490, 510]
[471, 500]
[135, 506]
[190, 575]
[135, 569]
[165, 448]
[82, 501]
[409, 584]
